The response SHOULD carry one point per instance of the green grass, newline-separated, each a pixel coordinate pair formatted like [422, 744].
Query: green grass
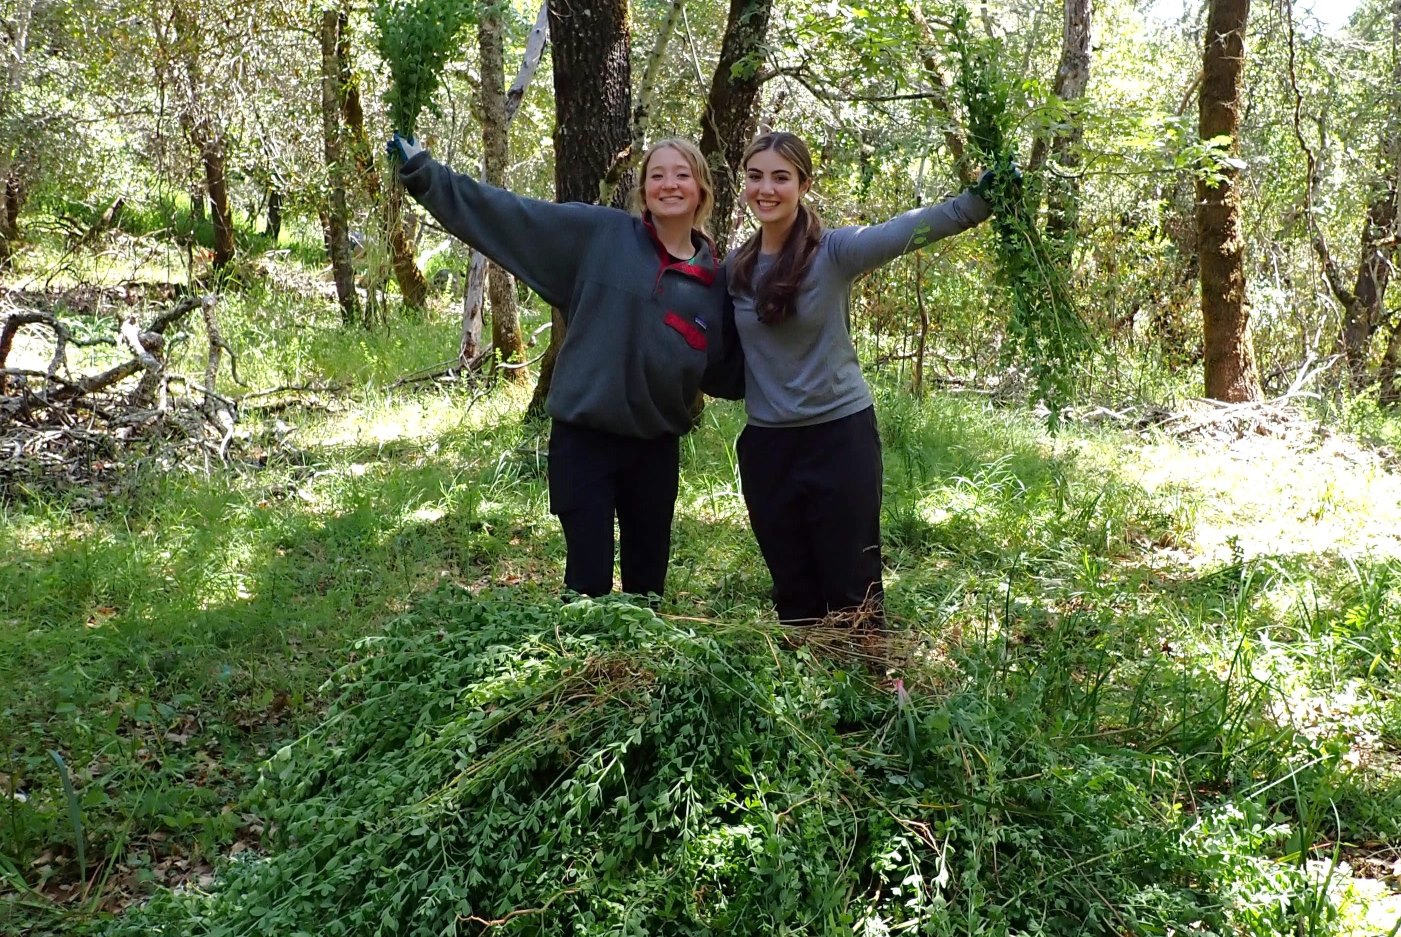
[1132, 705]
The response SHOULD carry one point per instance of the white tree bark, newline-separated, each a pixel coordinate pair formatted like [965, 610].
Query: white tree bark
[472, 300]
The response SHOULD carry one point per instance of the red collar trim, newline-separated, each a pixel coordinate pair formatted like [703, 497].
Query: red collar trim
[704, 274]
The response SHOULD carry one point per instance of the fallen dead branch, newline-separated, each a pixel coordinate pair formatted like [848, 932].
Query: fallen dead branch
[58, 426]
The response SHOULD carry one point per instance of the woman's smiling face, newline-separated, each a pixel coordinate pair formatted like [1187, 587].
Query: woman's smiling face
[670, 185]
[773, 186]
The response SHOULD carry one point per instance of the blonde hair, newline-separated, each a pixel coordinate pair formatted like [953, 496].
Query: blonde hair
[700, 171]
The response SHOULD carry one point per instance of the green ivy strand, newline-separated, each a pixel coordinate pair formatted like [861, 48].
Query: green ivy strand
[1044, 329]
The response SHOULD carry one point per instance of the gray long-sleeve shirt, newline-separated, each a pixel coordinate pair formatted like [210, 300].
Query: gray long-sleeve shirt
[804, 370]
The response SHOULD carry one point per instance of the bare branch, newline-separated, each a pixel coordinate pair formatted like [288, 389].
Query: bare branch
[534, 48]
[1332, 276]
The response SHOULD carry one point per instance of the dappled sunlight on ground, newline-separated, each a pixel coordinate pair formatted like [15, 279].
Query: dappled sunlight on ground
[418, 418]
[1263, 495]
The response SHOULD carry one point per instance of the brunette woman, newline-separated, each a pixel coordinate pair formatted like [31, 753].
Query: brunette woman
[810, 456]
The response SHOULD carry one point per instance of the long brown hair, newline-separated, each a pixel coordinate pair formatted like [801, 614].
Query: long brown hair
[700, 171]
[776, 298]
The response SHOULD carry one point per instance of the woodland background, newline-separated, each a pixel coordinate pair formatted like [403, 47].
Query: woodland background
[279, 651]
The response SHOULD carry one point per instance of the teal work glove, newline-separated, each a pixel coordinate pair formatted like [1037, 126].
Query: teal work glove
[401, 149]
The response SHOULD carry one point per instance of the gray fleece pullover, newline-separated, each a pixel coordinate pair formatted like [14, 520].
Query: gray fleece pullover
[804, 370]
[642, 327]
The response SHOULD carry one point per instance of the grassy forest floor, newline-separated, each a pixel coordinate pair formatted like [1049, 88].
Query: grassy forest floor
[1148, 679]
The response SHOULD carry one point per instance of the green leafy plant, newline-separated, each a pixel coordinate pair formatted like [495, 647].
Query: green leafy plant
[592, 768]
[415, 38]
[1044, 329]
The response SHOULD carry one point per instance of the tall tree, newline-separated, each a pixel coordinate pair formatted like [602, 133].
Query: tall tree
[201, 122]
[1062, 145]
[337, 214]
[1231, 374]
[590, 45]
[729, 119]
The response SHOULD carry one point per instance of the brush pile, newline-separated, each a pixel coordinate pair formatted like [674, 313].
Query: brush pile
[61, 429]
[591, 768]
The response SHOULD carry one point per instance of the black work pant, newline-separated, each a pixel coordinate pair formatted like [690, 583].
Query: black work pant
[595, 476]
[814, 496]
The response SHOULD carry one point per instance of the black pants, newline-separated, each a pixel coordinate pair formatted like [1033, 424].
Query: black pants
[814, 495]
[595, 476]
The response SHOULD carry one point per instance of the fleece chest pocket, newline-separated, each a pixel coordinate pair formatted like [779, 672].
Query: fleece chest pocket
[689, 330]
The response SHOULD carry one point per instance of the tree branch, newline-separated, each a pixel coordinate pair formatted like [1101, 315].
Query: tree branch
[1332, 276]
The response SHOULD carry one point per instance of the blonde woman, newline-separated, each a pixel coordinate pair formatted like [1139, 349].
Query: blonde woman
[642, 295]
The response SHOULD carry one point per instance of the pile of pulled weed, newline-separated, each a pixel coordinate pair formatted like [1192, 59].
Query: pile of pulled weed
[592, 768]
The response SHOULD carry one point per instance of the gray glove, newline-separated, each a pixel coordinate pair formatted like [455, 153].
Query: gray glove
[401, 149]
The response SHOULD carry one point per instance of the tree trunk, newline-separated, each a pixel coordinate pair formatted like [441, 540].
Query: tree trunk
[590, 49]
[208, 138]
[1363, 303]
[213, 147]
[337, 213]
[9, 216]
[1072, 77]
[18, 29]
[473, 297]
[621, 175]
[1231, 374]
[1389, 375]
[472, 302]
[506, 336]
[728, 121]
[1363, 312]
[389, 204]
[274, 228]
